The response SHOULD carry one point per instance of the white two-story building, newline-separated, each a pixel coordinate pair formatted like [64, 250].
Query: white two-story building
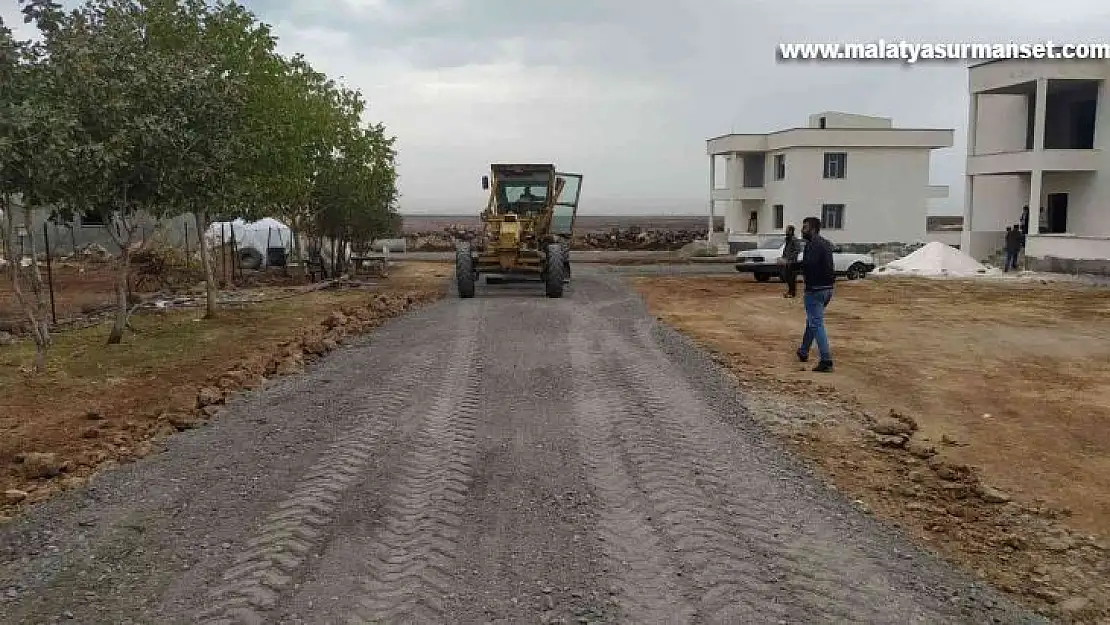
[1039, 136]
[866, 180]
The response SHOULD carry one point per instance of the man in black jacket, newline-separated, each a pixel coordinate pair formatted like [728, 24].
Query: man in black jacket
[819, 274]
[1013, 247]
[790, 256]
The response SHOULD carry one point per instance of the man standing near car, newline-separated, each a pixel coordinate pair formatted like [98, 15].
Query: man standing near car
[790, 258]
[819, 275]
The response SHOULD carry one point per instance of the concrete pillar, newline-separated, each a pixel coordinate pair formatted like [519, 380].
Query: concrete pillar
[969, 207]
[969, 181]
[712, 188]
[1035, 201]
[1036, 176]
[1039, 117]
[972, 123]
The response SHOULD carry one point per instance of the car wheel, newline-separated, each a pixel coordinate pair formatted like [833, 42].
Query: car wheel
[762, 277]
[855, 272]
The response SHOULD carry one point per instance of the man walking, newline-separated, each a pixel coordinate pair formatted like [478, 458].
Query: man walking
[789, 259]
[1013, 247]
[819, 276]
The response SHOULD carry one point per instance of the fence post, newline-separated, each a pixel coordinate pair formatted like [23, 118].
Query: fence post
[234, 254]
[49, 272]
[223, 252]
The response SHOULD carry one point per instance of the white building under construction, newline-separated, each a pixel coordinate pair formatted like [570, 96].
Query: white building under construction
[867, 180]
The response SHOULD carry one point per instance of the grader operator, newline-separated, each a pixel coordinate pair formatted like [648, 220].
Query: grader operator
[528, 224]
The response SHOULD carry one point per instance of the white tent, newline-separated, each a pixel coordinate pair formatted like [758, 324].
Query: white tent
[256, 235]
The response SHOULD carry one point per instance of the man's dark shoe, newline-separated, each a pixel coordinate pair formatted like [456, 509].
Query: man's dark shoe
[824, 366]
[802, 357]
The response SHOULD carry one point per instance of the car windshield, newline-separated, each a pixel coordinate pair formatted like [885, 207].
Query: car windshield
[771, 242]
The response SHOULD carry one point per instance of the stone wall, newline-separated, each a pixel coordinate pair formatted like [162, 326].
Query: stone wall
[1051, 264]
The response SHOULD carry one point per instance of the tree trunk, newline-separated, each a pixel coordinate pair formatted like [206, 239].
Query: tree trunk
[35, 311]
[206, 262]
[334, 257]
[123, 302]
[40, 321]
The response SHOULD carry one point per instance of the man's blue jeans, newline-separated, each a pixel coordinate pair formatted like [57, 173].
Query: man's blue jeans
[815, 303]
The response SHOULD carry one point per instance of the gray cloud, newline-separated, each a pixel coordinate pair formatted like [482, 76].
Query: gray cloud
[626, 91]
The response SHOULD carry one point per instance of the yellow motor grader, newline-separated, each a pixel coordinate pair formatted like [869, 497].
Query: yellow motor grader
[528, 224]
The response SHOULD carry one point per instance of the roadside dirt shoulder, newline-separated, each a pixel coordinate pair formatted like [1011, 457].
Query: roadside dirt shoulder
[972, 415]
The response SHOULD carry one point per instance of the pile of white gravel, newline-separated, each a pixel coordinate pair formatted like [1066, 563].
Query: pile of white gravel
[936, 260]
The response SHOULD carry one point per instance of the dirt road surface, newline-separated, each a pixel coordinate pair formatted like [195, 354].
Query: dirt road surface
[506, 459]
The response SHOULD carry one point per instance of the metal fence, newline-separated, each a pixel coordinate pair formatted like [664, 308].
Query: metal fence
[82, 279]
[81, 274]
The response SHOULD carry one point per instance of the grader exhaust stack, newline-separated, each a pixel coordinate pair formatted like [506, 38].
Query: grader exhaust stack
[528, 224]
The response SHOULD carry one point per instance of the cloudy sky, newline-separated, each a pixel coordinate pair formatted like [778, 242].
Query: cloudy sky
[627, 91]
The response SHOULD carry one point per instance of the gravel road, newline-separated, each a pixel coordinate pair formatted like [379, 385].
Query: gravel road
[505, 459]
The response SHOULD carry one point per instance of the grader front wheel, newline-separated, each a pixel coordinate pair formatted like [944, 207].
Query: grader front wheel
[465, 277]
[554, 271]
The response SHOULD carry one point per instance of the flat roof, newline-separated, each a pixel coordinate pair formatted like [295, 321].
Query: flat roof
[779, 132]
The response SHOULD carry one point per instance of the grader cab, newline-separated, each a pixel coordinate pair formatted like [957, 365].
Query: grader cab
[527, 228]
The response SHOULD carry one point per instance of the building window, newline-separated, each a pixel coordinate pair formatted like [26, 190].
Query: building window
[821, 123]
[832, 216]
[778, 216]
[92, 217]
[836, 164]
[780, 166]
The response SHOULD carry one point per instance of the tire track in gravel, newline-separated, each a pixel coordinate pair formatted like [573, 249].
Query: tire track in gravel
[411, 575]
[296, 530]
[648, 588]
[821, 574]
[726, 583]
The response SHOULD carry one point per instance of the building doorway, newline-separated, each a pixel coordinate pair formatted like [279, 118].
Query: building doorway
[1056, 214]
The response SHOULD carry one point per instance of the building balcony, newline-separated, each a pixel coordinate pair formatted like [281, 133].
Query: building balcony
[1026, 161]
[936, 191]
[742, 193]
[1008, 75]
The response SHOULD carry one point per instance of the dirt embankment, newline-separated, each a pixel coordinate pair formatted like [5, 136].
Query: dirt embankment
[974, 414]
[98, 405]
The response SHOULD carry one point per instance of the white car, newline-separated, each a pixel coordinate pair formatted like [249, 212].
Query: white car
[762, 262]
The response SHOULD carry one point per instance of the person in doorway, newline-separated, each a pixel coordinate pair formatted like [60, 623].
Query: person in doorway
[1025, 220]
[819, 276]
[789, 258]
[1013, 246]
